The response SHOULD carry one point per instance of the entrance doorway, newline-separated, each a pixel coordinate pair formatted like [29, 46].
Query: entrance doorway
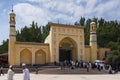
[65, 55]
[67, 49]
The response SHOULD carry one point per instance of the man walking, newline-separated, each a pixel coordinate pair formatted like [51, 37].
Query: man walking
[26, 74]
[10, 73]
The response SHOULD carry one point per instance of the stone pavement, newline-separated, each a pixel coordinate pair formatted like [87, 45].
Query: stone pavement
[66, 77]
[70, 71]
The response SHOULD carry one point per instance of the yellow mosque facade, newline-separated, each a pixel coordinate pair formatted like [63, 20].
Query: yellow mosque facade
[64, 42]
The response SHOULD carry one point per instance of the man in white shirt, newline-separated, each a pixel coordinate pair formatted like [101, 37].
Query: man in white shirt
[10, 73]
[26, 74]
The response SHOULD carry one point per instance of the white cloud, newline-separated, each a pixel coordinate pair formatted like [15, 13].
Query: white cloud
[63, 10]
[29, 13]
[107, 7]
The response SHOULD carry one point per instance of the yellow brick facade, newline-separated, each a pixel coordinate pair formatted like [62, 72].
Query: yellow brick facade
[31, 53]
[63, 40]
[102, 52]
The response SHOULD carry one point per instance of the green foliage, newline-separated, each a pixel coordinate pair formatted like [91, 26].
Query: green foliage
[113, 56]
[113, 45]
[45, 32]
[87, 31]
[106, 31]
[4, 47]
[82, 21]
[33, 33]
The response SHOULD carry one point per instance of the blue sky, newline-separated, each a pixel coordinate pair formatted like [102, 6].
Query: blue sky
[64, 11]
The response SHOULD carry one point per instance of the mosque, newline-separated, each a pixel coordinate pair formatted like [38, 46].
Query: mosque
[64, 42]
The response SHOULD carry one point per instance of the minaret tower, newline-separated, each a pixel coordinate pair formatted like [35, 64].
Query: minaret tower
[12, 38]
[93, 41]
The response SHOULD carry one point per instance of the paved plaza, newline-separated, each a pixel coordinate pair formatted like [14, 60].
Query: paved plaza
[66, 77]
[66, 74]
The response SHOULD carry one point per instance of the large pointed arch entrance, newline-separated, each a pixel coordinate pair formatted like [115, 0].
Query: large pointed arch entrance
[67, 49]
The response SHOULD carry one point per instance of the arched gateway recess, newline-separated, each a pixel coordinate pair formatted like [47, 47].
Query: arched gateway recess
[40, 57]
[67, 49]
[25, 56]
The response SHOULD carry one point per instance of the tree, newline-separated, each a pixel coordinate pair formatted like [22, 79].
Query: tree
[30, 34]
[82, 21]
[87, 31]
[113, 56]
[4, 46]
[45, 32]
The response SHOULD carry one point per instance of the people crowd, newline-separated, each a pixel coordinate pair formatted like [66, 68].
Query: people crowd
[82, 64]
[63, 64]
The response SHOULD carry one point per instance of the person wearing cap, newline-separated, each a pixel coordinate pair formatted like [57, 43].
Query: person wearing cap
[10, 73]
[26, 74]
